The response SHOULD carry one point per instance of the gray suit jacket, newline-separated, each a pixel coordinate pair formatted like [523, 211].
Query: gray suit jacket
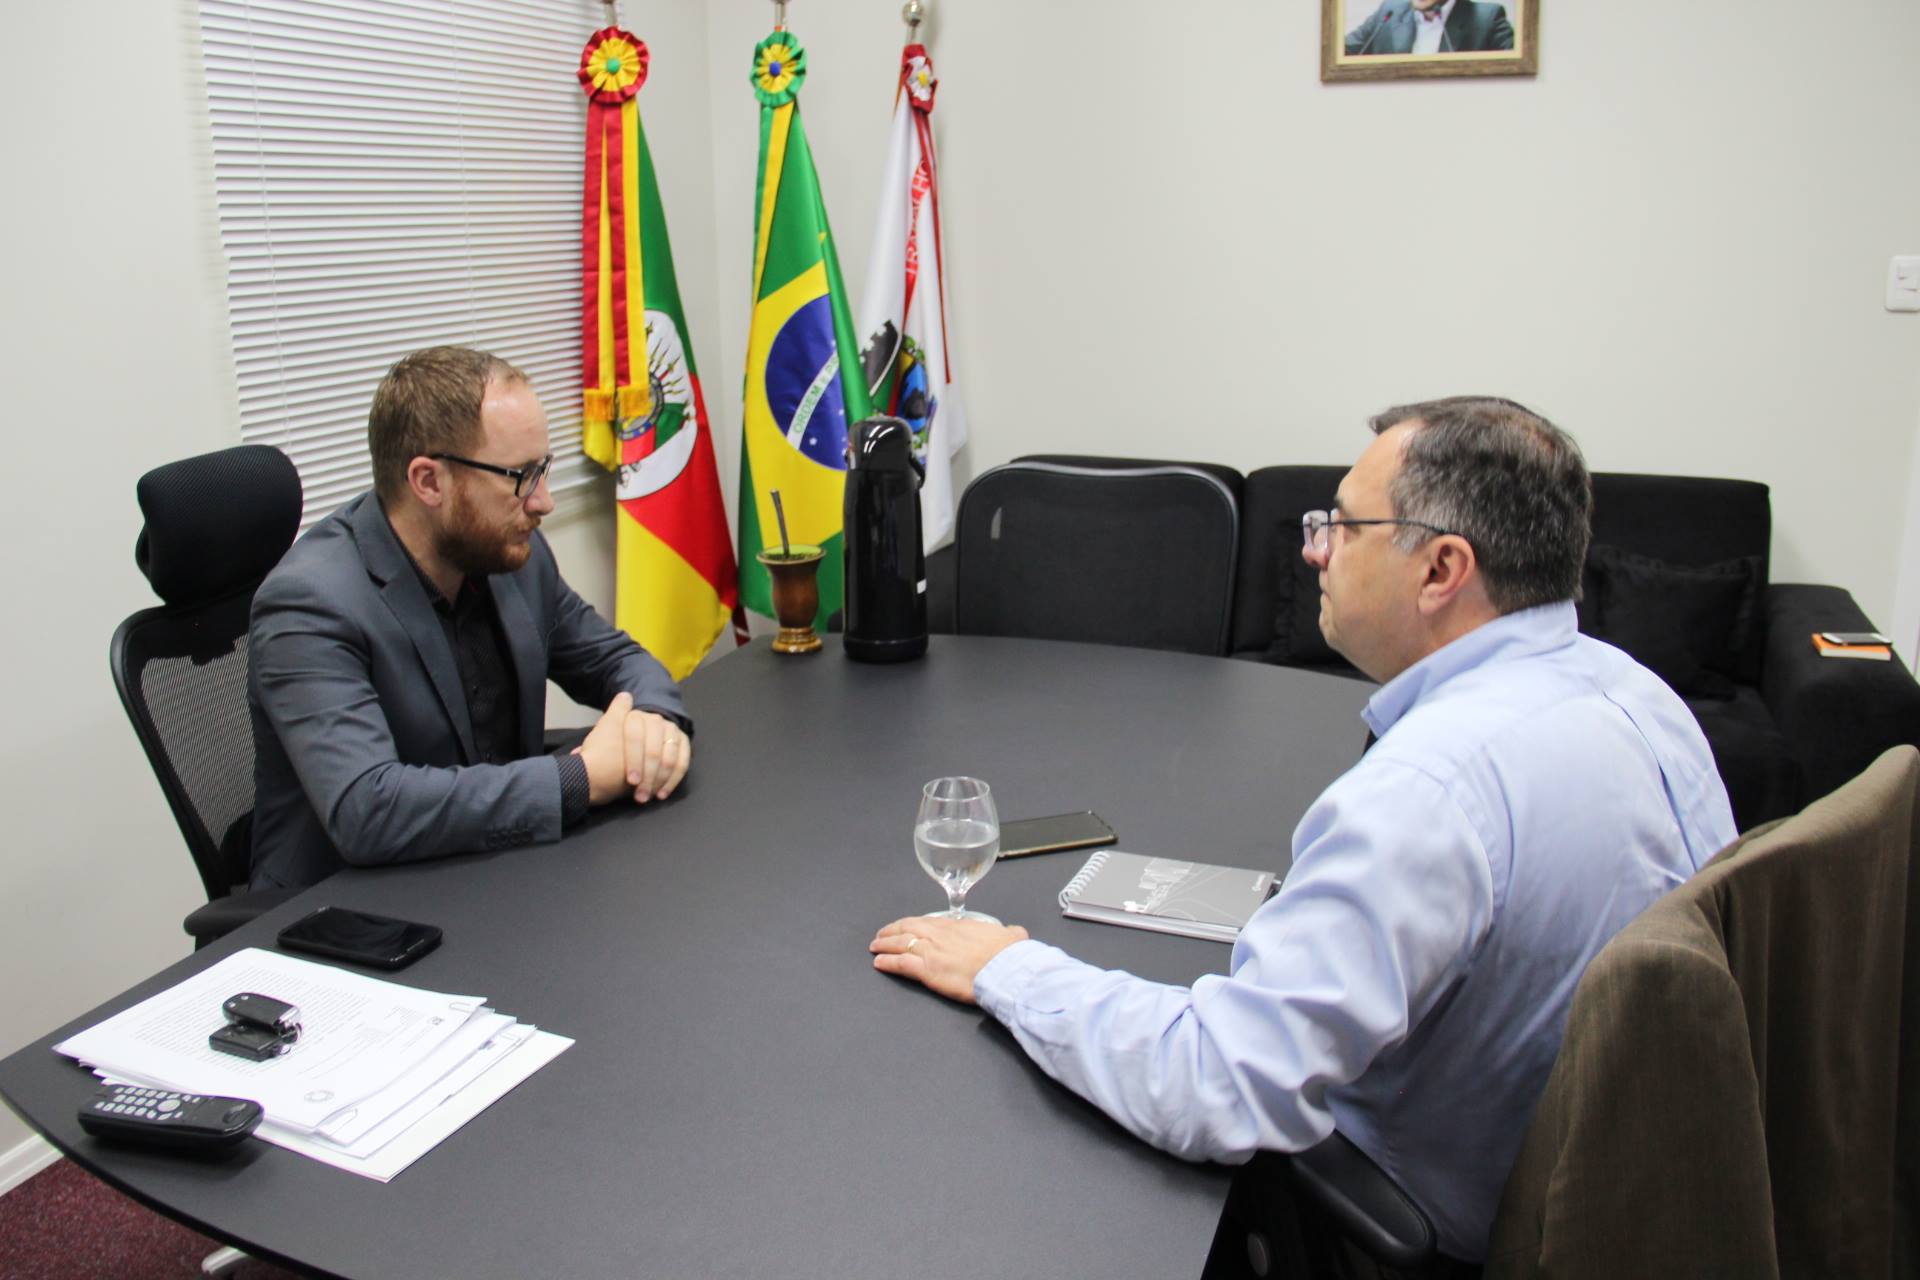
[363, 748]
[1471, 28]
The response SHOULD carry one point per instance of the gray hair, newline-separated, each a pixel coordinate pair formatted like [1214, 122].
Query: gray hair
[1505, 479]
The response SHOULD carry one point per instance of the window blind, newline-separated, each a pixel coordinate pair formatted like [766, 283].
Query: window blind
[389, 175]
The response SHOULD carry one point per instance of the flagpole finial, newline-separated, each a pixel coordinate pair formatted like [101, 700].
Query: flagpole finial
[913, 13]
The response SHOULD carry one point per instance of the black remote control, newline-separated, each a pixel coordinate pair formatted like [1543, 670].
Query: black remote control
[162, 1118]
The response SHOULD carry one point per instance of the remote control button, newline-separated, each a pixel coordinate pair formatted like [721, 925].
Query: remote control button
[170, 1104]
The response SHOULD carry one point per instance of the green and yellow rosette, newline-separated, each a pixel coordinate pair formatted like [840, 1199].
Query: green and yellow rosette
[779, 68]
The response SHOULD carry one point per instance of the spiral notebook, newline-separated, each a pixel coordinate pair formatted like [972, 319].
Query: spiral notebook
[1193, 899]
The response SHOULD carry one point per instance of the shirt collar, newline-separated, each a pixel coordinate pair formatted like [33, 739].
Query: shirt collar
[1441, 14]
[1510, 636]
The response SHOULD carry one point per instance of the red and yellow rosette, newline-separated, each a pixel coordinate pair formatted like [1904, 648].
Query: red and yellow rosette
[613, 325]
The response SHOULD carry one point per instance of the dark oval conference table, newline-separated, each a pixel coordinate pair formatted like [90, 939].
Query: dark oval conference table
[746, 1095]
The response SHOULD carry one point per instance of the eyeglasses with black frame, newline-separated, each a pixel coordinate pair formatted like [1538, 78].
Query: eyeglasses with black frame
[1316, 528]
[525, 479]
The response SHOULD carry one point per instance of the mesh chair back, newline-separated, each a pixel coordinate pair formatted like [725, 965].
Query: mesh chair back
[182, 677]
[1140, 556]
[215, 526]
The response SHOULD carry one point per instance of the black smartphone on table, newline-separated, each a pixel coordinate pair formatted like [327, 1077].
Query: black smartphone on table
[1054, 833]
[357, 936]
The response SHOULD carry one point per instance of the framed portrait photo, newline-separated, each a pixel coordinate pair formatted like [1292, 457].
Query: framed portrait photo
[1399, 39]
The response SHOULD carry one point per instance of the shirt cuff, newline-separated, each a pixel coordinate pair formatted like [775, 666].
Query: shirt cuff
[998, 986]
[575, 791]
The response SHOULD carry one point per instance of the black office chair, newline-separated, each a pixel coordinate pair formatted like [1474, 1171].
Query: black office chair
[215, 525]
[1304, 1214]
[1112, 551]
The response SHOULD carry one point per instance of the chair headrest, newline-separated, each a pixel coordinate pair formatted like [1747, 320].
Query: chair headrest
[216, 523]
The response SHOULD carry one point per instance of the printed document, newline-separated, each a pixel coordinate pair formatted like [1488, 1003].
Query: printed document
[358, 1035]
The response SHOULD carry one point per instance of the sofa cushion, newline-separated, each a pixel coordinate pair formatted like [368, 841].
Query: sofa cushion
[1762, 776]
[1264, 590]
[1296, 622]
[1692, 624]
[1682, 519]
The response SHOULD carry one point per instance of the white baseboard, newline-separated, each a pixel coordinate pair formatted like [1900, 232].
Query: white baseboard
[25, 1160]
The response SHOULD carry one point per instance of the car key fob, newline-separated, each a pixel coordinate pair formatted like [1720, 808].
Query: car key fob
[252, 1009]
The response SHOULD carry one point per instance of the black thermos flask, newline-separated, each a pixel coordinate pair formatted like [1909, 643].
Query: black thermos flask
[886, 567]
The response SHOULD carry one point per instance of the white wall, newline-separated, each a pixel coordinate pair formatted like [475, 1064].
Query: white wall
[115, 334]
[1165, 237]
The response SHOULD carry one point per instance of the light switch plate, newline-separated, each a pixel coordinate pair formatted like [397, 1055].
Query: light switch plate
[1903, 283]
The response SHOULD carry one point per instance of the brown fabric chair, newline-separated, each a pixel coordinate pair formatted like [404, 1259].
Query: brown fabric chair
[1734, 1095]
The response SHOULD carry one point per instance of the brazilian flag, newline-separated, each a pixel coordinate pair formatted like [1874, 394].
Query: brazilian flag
[804, 382]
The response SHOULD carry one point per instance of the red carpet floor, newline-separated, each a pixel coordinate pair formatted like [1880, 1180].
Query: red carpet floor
[63, 1223]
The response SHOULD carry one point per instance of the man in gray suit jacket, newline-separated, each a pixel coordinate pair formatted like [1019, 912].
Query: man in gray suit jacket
[399, 654]
[1466, 26]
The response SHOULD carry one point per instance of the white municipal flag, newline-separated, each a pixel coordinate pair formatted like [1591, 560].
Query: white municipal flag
[904, 320]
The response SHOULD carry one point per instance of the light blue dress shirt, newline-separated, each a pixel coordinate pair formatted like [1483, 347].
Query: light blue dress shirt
[1532, 790]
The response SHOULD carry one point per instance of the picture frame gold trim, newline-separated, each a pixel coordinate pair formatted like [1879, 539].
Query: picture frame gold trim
[1336, 64]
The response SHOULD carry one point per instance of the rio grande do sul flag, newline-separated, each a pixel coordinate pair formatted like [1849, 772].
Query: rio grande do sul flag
[644, 414]
[904, 318]
[803, 379]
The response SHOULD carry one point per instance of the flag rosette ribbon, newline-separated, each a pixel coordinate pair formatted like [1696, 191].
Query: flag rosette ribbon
[613, 378]
[779, 69]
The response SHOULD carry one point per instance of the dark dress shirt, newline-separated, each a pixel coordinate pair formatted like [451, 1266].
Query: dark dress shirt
[472, 626]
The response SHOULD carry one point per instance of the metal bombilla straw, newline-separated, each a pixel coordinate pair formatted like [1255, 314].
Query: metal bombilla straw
[780, 516]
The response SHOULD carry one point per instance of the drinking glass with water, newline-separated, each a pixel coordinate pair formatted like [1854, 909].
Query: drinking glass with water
[957, 837]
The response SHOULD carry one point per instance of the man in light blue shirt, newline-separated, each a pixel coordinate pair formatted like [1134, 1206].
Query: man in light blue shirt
[1530, 792]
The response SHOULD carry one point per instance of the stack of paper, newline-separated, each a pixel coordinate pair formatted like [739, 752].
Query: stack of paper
[380, 1074]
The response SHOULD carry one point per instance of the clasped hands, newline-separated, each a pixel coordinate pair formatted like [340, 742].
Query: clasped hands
[631, 752]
